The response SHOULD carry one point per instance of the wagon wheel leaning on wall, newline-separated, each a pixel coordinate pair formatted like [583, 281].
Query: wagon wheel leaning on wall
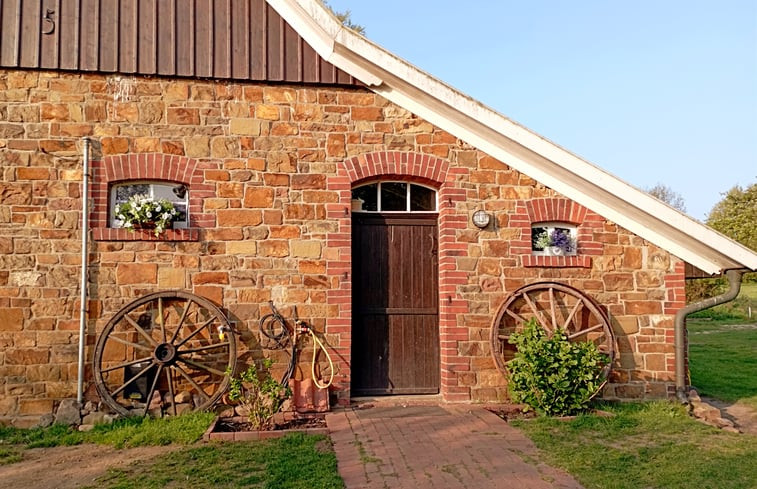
[166, 352]
[553, 305]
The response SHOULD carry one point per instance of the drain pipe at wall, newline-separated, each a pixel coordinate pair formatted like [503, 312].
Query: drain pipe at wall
[734, 282]
[84, 274]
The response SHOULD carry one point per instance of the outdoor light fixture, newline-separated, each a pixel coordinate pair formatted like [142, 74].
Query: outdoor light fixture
[481, 219]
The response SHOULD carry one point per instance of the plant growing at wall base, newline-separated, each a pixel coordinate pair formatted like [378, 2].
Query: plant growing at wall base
[260, 393]
[142, 211]
[552, 375]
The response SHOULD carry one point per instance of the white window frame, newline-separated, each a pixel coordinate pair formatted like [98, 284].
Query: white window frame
[551, 226]
[407, 197]
[167, 193]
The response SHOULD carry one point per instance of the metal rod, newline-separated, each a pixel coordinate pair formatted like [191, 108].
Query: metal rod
[84, 278]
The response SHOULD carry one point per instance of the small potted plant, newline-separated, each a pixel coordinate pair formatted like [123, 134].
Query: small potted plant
[558, 242]
[144, 212]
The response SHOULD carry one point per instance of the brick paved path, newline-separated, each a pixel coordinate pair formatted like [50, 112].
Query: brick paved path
[440, 447]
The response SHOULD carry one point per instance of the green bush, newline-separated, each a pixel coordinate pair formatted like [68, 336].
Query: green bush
[552, 375]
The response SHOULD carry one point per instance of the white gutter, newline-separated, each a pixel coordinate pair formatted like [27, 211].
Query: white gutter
[84, 274]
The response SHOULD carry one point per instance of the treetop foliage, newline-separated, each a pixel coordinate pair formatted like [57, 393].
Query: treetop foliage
[667, 195]
[736, 215]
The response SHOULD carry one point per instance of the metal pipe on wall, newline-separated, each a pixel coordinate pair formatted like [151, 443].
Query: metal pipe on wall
[84, 273]
[734, 281]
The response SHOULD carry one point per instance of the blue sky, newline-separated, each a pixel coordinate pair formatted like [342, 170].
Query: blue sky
[651, 91]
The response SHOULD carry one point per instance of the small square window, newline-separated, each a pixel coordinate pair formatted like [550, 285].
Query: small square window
[176, 193]
[553, 239]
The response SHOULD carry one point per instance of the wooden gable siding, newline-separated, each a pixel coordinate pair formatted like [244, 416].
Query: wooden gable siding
[226, 39]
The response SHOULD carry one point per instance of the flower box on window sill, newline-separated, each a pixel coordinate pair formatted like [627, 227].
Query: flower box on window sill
[122, 234]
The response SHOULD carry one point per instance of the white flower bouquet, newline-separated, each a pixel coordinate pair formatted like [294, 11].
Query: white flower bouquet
[143, 212]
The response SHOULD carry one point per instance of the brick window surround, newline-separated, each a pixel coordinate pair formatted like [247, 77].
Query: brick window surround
[415, 168]
[156, 167]
[556, 209]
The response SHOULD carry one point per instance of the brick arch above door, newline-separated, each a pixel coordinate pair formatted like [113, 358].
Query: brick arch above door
[413, 167]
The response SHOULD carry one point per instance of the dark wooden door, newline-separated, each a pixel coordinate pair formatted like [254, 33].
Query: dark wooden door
[395, 329]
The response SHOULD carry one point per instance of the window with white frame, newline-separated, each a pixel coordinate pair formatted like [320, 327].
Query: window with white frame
[553, 239]
[174, 192]
[393, 197]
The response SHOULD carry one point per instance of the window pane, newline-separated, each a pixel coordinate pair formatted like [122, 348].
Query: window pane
[394, 196]
[422, 198]
[123, 192]
[369, 195]
[538, 234]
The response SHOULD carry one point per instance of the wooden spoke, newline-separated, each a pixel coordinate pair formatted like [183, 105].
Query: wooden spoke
[579, 304]
[132, 380]
[161, 319]
[552, 308]
[169, 381]
[192, 382]
[566, 304]
[585, 331]
[123, 381]
[192, 335]
[516, 316]
[536, 312]
[125, 364]
[205, 348]
[148, 401]
[201, 366]
[129, 343]
[183, 317]
[140, 330]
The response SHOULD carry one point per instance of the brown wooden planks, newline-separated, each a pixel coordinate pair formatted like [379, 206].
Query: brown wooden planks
[223, 39]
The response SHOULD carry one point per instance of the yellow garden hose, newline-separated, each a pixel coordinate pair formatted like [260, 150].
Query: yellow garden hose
[316, 345]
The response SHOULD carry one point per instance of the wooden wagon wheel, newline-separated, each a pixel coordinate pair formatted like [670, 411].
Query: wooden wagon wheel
[553, 305]
[166, 352]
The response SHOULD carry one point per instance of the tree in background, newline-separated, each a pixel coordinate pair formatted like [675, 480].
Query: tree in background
[346, 19]
[667, 195]
[736, 215]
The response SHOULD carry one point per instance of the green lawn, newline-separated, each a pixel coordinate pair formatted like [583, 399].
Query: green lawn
[723, 361]
[646, 445]
[294, 462]
[127, 432]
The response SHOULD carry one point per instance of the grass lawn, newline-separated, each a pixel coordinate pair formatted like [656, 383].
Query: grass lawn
[127, 432]
[296, 461]
[646, 445]
[723, 361]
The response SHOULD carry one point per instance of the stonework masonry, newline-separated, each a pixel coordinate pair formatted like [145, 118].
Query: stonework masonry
[269, 170]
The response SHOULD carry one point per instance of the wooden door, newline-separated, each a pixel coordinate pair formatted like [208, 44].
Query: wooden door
[395, 330]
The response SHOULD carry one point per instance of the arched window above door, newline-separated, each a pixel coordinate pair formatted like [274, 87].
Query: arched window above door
[388, 196]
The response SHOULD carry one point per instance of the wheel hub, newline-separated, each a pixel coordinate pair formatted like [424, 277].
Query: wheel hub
[165, 353]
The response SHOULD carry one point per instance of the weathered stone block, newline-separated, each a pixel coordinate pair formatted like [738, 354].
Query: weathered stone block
[248, 127]
[306, 249]
[136, 273]
[239, 217]
[247, 247]
[258, 197]
[11, 319]
[26, 356]
[172, 278]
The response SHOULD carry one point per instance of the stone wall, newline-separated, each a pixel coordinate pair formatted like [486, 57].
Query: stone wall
[269, 170]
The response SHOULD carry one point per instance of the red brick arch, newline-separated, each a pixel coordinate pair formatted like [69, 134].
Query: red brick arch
[149, 166]
[419, 168]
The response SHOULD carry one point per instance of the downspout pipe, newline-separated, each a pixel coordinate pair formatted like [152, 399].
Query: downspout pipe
[734, 282]
[84, 274]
